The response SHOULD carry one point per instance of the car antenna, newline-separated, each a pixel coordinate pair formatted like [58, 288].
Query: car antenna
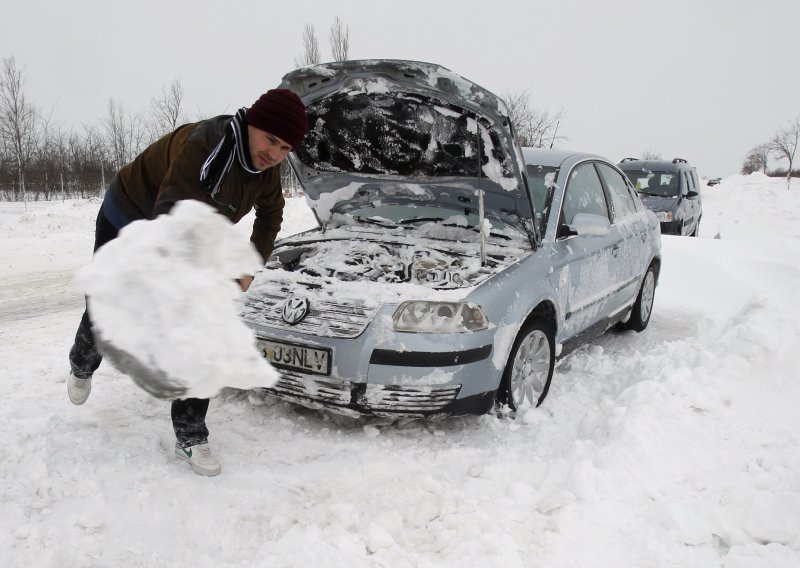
[553, 139]
[481, 212]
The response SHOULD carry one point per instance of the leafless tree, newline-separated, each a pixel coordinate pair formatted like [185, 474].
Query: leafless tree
[311, 48]
[124, 133]
[533, 127]
[168, 108]
[340, 40]
[18, 120]
[757, 159]
[650, 155]
[784, 143]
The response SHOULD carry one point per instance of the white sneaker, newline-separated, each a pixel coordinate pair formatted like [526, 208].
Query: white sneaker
[78, 389]
[201, 458]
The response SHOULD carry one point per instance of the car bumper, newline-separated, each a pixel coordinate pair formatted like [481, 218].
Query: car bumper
[671, 227]
[382, 372]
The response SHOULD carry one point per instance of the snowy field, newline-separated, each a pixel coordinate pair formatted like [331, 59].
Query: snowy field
[677, 447]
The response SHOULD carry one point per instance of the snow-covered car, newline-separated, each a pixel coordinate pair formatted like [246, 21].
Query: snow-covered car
[671, 190]
[450, 268]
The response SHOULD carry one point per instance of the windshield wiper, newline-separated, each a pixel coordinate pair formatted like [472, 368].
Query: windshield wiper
[421, 220]
[374, 221]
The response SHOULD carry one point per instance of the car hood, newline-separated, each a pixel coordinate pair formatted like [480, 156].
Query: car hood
[401, 132]
[657, 203]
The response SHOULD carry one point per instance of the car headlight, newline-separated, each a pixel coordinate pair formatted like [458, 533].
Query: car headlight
[439, 317]
[664, 216]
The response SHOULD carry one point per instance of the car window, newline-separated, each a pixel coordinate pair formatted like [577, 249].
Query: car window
[584, 194]
[622, 203]
[541, 181]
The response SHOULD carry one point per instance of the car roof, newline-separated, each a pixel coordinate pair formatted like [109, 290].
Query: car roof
[676, 165]
[550, 157]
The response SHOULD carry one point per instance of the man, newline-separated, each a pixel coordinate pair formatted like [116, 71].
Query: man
[229, 162]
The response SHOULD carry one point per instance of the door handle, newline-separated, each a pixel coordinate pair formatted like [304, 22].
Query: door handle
[615, 250]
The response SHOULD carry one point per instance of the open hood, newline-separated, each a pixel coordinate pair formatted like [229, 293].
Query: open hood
[407, 133]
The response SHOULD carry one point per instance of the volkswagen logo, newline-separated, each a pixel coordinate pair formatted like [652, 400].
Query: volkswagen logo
[294, 310]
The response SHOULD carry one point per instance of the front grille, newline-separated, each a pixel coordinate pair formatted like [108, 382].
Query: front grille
[321, 390]
[325, 317]
[400, 398]
[366, 399]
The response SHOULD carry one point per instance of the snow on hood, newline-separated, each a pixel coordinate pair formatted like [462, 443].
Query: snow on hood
[400, 131]
[657, 202]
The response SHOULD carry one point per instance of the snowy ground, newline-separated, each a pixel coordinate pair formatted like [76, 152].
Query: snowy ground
[678, 447]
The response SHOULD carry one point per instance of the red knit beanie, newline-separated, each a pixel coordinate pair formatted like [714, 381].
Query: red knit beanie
[282, 113]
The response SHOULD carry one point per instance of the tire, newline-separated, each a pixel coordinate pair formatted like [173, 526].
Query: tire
[529, 370]
[643, 306]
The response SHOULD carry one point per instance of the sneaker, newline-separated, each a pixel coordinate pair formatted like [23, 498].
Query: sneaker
[78, 389]
[201, 458]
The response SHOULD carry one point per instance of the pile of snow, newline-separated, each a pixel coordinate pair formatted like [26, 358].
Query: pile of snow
[162, 297]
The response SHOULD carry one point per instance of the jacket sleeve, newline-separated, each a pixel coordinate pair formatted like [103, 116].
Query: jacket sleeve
[269, 215]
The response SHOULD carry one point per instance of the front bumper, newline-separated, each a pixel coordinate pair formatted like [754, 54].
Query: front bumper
[358, 399]
[671, 227]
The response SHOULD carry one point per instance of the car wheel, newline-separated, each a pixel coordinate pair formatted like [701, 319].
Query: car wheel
[643, 307]
[527, 376]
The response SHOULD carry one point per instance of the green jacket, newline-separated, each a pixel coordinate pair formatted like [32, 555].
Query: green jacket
[168, 171]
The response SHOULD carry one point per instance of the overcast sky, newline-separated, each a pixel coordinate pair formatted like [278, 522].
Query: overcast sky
[705, 80]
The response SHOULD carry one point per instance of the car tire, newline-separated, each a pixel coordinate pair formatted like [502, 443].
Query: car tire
[529, 370]
[643, 306]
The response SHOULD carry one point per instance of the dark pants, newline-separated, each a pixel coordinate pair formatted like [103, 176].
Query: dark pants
[188, 415]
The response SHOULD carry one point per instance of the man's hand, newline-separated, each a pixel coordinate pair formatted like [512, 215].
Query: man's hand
[244, 282]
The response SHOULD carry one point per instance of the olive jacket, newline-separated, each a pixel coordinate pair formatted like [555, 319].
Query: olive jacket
[169, 171]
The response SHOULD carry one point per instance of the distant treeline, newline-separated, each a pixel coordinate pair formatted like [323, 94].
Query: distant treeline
[43, 160]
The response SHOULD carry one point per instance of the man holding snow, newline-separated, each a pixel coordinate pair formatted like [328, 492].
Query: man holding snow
[229, 162]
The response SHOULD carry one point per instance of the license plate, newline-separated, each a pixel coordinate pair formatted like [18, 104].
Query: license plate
[296, 357]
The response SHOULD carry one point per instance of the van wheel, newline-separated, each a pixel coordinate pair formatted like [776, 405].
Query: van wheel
[529, 370]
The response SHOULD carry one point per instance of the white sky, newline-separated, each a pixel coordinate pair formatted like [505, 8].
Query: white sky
[701, 79]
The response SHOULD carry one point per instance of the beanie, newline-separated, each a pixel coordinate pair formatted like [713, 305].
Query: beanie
[282, 113]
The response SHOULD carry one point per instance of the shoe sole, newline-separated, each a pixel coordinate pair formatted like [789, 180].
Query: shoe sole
[197, 469]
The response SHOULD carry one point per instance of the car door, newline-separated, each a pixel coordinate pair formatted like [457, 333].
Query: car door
[584, 273]
[631, 224]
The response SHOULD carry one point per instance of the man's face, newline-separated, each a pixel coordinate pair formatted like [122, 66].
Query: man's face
[266, 150]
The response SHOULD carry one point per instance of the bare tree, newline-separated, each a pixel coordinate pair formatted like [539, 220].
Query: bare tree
[756, 159]
[340, 40]
[784, 143]
[168, 108]
[311, 48]
[124, 133]
[650, 155]
[18, 120]
[533, 127]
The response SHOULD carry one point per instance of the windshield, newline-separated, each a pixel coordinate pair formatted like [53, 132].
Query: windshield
[542, 182]
[662, 184]
[399, 134]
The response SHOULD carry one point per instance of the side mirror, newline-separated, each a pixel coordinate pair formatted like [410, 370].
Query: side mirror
[585, 225]
[692, 195]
